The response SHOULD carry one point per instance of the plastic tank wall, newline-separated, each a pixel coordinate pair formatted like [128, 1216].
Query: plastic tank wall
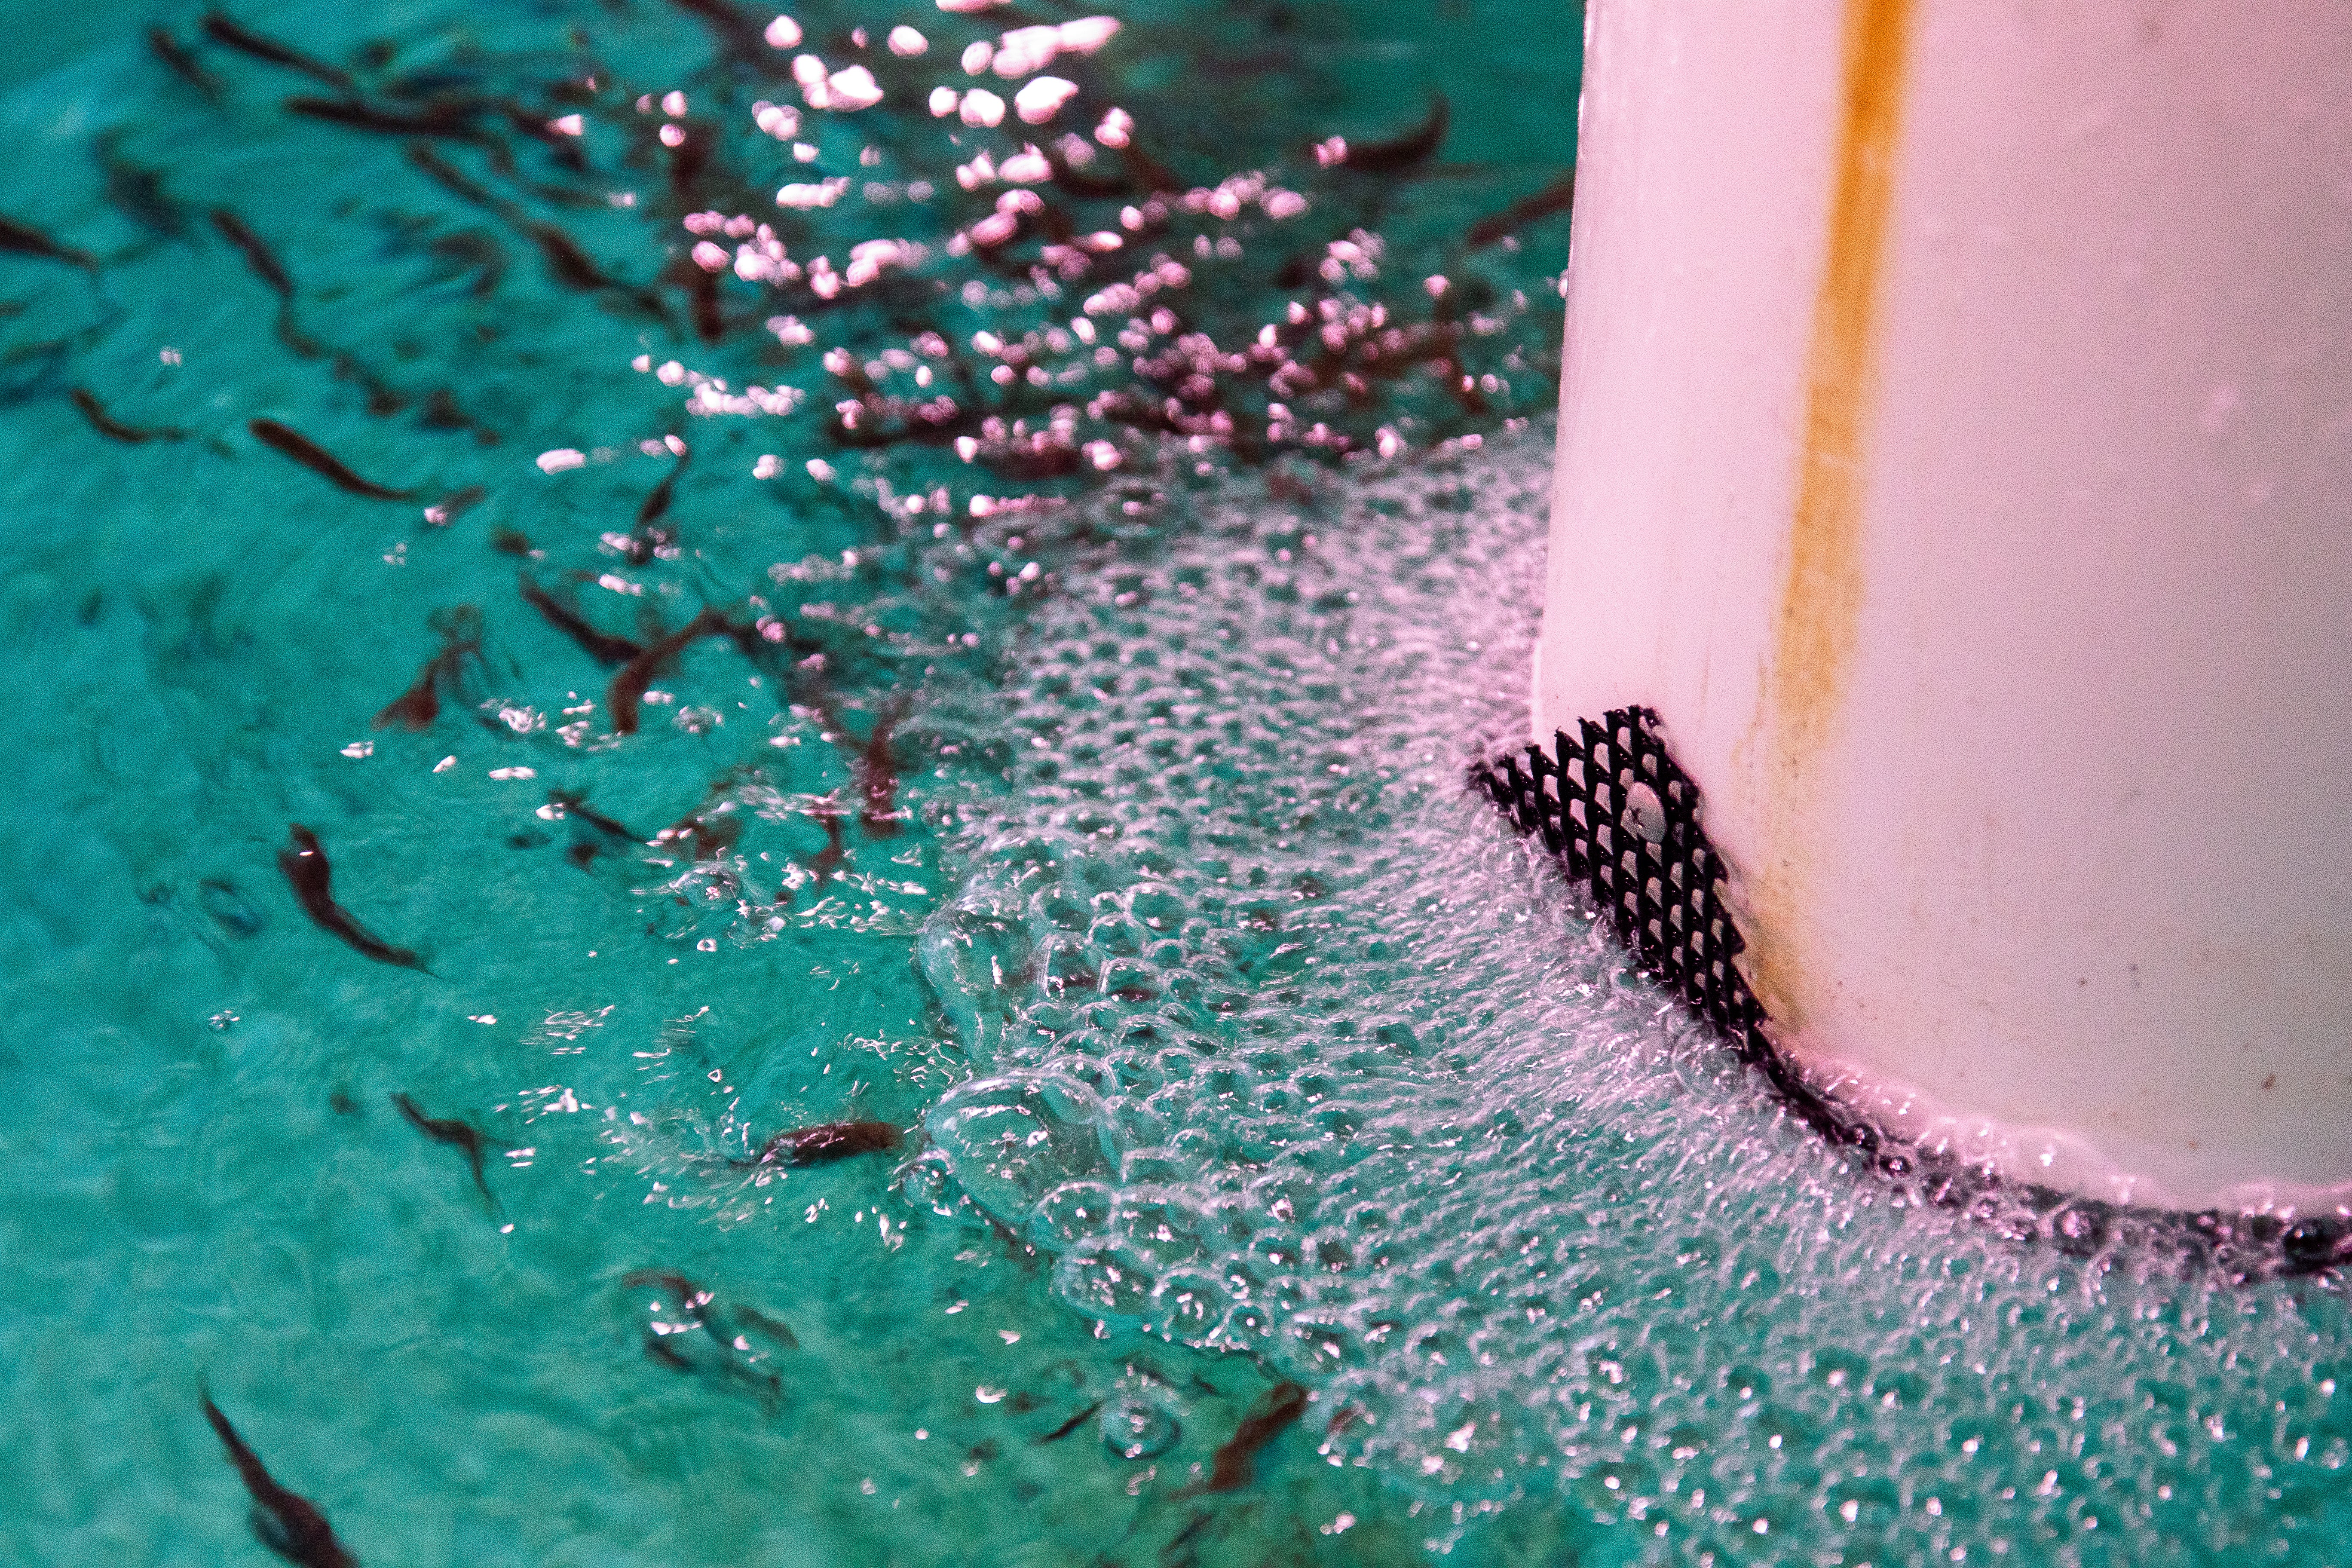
[1956, 452]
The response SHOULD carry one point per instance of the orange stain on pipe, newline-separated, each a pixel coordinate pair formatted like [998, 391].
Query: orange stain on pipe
[1821, 598]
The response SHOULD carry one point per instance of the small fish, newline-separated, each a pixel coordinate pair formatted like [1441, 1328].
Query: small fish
[316, 458]
[702, 292]
[288, 1525]
[877, 777]
[836, 848]
[1072, 1424]
[656, 506]
[824, 1143]
[182, 63]
[711, 828]
[1414, 147]
[229, 907]
[507, 541]
[304, 862]
[1235, 1462]
[449, 508]
[137, 191]
[720, 1351]
[113, 429]
[257, 256]
[573, 268]
[684, 1292]
[572, 805]
[454, 123]
[596, 645]
[221, 30]
[1557, 197]
[628, 689]
[566, 262]
[737, 32]
[439, 169]
[775, 1329]
[473, 250]
[462, 1136]
[24, 239]
[420, 705]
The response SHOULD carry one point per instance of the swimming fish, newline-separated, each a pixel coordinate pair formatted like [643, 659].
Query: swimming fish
[566, 262]
[1557, 197]
[449, 508]
[182, 63]
[319, 461]
[420, 705]
[656, 506]
[627, 688]
[1235, 1462]
[824, 1143]
[1414, 147]
[454, 123]
[137, 191]
[257, 256]
[24, 239]
[222, 30]
[113, 429]
[462, 1136]
[720, 1350]
[304, 862]
[571, 268]
[442, 173]
[836, 848]
[878, 776]
[1072, 1424]
[288, 1525]
[737, 32]
[230, 908]
[599, 645]
[571, 804]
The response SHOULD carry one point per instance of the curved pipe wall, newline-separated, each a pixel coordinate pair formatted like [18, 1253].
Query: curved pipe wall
[1956, 452]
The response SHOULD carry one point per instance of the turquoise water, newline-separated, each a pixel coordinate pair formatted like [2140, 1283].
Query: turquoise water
[1086, 803]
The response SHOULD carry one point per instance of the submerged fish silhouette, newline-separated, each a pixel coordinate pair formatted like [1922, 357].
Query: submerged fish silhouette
[626, 689]
[319, 460]
[178, 57]
[304, 862]
[824, 1143]
[289, 1525]
[462, 1136]
[599, 645]
[220, 29]
[420, 705]
[24, 239]
[113, 429]
[1236, 1461]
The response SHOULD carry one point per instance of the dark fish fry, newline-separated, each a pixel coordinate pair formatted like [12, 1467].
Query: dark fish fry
[319, 460]
[114, 429]
[221, 30]
[24, 239]
[462, 1136]
[304, 862]
[289, 1525]
[827, 1143]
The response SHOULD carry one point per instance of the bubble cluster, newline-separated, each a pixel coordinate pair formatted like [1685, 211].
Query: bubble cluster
[1286, 1048]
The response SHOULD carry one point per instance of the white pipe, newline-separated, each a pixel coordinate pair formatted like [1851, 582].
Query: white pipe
[1956, 452]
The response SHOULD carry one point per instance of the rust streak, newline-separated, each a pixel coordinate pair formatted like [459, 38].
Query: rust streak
[1821, 598]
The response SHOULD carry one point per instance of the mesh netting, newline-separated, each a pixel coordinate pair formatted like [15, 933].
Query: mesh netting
[1626, 822]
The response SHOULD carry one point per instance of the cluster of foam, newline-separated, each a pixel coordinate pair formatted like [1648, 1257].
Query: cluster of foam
[1289, 1050]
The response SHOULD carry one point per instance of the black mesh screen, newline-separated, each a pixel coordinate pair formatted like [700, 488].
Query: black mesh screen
[1610, 803]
